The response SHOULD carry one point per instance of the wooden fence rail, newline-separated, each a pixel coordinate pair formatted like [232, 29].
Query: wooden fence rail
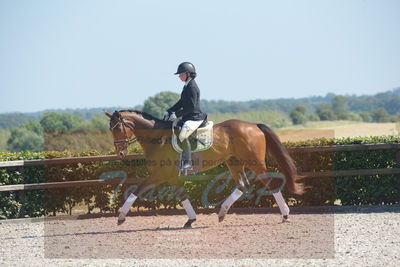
[327, 174]
[57, 161]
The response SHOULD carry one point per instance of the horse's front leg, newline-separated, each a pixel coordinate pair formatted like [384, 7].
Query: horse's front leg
[188, 208]
[152, 181]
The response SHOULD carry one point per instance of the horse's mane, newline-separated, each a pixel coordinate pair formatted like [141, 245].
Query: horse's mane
[145, 115]
[160, 123]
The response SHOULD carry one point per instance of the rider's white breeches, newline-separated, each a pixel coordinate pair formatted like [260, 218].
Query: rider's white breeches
[188, 128]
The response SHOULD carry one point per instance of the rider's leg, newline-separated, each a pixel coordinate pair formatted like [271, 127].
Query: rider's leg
[187, 129]
[186, 163]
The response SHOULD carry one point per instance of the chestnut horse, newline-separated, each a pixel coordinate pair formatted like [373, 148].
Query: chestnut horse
[241, 145]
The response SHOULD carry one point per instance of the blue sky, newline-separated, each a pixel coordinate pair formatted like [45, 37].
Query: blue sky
[90, 53]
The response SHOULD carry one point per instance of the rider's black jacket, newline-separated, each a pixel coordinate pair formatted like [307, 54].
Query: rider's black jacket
[188, 107]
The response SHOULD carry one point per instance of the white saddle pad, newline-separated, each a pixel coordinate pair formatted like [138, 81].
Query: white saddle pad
[204, 137]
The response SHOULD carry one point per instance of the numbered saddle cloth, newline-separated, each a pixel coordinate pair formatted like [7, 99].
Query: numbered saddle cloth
[201, 139]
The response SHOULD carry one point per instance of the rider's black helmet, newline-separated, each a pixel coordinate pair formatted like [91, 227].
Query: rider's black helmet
[185, 67]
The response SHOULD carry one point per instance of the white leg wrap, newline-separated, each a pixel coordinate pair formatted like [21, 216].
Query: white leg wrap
[236, 194]
[283, 207]
[189, 209]
[128, 203]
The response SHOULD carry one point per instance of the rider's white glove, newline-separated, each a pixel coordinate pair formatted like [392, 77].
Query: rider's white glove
[166, 115]
[173, 116]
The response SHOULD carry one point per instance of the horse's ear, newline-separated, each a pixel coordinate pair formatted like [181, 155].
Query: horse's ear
[107, 114]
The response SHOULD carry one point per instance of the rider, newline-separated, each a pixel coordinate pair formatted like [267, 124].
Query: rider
[188, 107]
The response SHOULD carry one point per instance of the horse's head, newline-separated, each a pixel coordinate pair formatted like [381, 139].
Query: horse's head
[122, 128]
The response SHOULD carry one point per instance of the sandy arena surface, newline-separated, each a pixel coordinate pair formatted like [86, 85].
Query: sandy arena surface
[349, 236]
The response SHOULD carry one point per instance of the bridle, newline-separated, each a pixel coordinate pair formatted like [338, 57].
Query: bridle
[126, 142]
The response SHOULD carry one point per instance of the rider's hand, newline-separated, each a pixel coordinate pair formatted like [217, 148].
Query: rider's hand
[172, 116]
[166, 115]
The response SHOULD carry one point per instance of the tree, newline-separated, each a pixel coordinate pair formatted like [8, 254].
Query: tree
[159, 103]
[396, 117]
[55, 121]
[52, 121]
[28, 137]
[4, 136]
[366, 116]
[22, 139]
[314, 117]
[380, 115]
[340, 107]
[325, 112]
[298, 115]
[99, 122]
[354, 117]
[34, 126]
[14, 120]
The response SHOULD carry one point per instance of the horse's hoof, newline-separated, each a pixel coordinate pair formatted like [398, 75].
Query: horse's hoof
[222, 212]
[188, 224]
[121, 218]
[285, 218]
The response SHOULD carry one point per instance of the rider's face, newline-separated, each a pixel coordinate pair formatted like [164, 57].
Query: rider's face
[183, 77]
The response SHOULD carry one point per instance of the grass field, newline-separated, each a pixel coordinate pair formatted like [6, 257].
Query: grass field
[336, 129]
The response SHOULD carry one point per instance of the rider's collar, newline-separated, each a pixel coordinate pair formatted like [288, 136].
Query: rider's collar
[188, 80]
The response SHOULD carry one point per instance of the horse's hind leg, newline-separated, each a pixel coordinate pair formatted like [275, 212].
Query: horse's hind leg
[283, 207]
[273, 183]
[242, 183]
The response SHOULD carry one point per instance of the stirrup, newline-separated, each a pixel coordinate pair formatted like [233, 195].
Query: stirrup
[187, 166]
[184, 170]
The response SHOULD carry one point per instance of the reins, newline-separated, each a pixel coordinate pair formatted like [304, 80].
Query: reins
[124, 125]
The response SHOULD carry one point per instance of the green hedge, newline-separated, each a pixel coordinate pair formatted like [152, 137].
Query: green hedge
[377, 189]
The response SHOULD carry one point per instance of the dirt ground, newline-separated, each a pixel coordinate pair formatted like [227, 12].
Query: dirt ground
[367, 236]
[240, 236]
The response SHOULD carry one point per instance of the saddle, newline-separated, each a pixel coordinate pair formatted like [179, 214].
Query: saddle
[200, 140]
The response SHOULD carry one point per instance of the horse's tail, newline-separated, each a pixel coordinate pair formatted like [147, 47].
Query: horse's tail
[284, 160]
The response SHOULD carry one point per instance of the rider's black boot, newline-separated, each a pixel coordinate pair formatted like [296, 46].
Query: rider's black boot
[186, 162]
[186, 158]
